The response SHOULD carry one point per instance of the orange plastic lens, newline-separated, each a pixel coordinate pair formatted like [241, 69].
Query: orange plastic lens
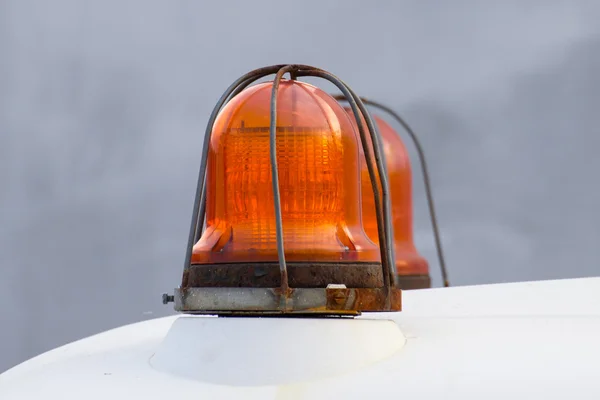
[408, 260]
[318, 163]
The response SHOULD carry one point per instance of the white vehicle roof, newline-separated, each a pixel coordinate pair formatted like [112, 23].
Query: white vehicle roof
[533, 340]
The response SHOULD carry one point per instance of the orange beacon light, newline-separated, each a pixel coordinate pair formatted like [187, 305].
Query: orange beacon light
[277, 224]
[318, 163]
[411, 267]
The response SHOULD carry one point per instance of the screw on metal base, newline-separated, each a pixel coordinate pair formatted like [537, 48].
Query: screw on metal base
[168, 298]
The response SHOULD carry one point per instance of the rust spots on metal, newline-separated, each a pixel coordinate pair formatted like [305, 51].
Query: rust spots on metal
[315, 289]
[268, 275]
[363, 299]
[331, 301]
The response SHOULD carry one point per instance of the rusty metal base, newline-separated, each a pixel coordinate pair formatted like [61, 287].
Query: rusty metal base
[333, 300]
[412, 282]
[300, 275]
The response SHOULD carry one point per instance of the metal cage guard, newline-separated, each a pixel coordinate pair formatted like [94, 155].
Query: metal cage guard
[426, 180]
[334, 300]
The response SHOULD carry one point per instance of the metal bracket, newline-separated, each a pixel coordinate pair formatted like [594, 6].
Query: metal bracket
[323, 301]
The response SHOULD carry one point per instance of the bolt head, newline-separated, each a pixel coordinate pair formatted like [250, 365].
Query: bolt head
[166, 298]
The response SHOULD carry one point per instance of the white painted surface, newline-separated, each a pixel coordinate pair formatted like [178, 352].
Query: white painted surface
[511, 341]
[272, 351]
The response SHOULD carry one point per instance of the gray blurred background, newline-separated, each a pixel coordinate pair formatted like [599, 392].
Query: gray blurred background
[103, 105]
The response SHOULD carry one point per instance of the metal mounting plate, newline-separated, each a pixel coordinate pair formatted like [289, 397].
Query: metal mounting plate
[332, 300]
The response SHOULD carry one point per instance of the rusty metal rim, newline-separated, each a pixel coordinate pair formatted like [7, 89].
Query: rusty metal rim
[317, 301]
[301, 274]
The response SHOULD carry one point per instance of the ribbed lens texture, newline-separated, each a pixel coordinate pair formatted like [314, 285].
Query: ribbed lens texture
[311, 188]
[319, 180]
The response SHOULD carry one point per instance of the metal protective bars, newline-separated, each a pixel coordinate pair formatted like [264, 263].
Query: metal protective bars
[426, 181]
[334, 300]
